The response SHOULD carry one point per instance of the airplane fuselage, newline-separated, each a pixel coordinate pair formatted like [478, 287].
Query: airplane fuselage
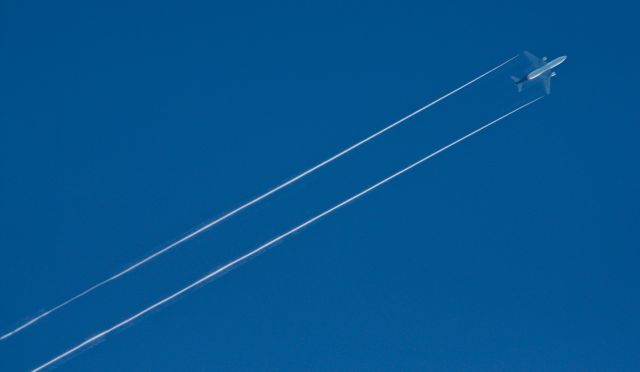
[542, 69]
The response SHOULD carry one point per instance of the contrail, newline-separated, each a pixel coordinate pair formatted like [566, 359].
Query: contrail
[273, 241]
[246, 205]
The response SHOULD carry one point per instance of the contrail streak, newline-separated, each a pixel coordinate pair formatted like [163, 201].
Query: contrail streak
[246, 205]
[272, 242]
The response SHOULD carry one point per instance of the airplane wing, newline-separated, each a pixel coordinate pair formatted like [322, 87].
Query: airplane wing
[535, 61]
[546, 79]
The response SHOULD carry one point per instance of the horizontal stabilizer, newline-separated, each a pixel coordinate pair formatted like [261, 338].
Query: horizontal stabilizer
[518, 83]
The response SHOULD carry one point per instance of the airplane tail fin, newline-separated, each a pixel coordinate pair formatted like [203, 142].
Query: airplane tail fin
[518, 83]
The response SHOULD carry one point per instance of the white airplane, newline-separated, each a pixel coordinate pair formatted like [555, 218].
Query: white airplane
[541, 68]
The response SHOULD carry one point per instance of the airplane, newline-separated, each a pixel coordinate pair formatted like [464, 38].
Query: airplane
[542, 69]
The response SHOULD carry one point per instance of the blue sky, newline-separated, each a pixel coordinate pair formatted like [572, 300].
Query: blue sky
[124, 125]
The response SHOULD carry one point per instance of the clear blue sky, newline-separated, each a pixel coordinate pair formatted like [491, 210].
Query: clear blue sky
[124, 124]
